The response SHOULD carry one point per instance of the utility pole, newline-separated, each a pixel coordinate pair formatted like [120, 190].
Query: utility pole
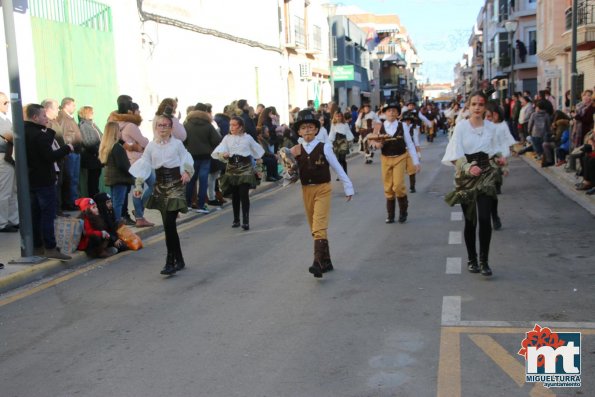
[573, 70]
[22, 175]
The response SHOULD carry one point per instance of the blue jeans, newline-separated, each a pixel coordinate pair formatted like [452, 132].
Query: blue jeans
[74, 170]
[139, 202]
[118, 197]
[201, 172]
[537, 142]
[43, 213]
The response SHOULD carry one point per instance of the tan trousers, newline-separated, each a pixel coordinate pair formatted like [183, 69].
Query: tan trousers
[393, 175]
[317, 203]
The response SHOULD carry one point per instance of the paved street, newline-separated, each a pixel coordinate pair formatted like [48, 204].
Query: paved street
[400, 315]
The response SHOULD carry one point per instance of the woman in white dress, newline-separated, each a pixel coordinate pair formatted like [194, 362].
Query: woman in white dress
[474, 151]
[173, 167]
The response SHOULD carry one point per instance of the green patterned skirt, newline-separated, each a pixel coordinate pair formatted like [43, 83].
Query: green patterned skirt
[237, 173]
[169, 193]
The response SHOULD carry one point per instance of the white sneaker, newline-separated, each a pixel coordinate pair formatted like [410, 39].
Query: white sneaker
[203, 210]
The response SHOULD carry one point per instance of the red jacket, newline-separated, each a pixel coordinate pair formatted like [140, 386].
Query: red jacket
[88, 231]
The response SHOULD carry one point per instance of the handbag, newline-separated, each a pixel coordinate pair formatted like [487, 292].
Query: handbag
[131, 239]
[68, 233]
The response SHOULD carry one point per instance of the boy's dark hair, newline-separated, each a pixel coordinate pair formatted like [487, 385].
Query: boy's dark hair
[541, 104]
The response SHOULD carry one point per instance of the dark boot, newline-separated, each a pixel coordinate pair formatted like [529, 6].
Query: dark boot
[316, 268]
[327, 264]
[245, 221]
[484, 268]
[391, 205]
[472, 265]
[179, 261]
[412, 183]
[169, 267]
[496, 222]
[403, 205]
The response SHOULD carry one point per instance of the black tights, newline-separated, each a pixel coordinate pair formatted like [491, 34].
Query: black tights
[172, 240]
[342, 158]
[484, 210]
[239, 194]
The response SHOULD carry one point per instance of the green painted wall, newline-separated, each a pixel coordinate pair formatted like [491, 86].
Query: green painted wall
[78, 62]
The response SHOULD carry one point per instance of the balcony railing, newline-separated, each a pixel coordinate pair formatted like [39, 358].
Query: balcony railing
[584, 13]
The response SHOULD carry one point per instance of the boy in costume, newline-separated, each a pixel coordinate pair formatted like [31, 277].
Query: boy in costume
[314, 160]
[394, 139]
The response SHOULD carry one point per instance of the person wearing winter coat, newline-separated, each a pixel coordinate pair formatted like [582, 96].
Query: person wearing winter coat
[95, 238]
[201, 139]
[539, 128]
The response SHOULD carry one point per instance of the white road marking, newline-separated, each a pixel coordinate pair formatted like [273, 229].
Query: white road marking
[455, 237]
[456, 216]
[451, 310]
[453, 265]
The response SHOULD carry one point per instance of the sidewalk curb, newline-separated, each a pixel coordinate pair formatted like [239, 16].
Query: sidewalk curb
[563, 186]
[53, 266]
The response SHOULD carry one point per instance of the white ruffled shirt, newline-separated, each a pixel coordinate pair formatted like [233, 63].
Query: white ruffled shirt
[242, 145]
[333, 162]
[340, 128]
[171, 154]
[468, 140]
[391, 130]
[504, 138]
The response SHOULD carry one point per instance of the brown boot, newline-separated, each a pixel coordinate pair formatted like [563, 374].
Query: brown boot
[316, 268]
[391, 204]
[412, 183]
[327, 264]
[403, 204]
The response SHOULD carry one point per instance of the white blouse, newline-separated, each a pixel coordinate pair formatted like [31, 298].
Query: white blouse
[504, 138]
[242, 145]
[340, 128]
[468, 140]
[156, 155]
[391, 130]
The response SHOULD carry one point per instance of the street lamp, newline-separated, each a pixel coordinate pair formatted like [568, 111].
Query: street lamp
[511, 27]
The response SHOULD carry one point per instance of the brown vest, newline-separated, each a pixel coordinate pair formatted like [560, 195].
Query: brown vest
[394, 146]
[314, 169]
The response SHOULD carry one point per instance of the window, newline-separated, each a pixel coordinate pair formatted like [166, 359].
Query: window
[532, 42]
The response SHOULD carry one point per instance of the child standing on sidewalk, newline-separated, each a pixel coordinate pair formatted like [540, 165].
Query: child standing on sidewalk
[314, 161]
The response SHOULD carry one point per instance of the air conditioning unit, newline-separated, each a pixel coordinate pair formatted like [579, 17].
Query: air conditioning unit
[305, 70]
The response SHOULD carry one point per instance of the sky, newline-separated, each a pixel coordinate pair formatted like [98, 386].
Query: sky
[440, 29]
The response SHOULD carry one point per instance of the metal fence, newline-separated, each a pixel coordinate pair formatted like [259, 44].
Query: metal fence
[584, 14]
[87, 13]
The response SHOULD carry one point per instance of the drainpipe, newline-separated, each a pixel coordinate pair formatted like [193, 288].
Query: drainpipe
[573, 70]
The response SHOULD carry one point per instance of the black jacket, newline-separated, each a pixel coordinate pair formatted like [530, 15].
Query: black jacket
[249, 126]
[201, 137]
[41, 156]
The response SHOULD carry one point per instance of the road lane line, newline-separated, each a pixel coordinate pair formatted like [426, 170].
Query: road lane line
[449, 364]
[451, 310]
[455, 238]
[500, 356]
[509, 364]
[456, 216]
[453, 265]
